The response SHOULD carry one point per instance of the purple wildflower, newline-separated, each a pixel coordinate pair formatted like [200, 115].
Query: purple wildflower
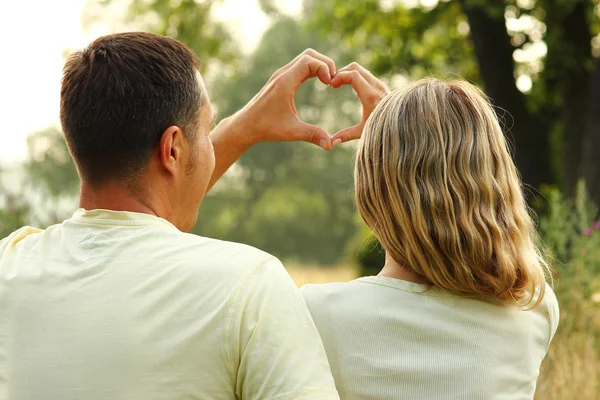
[587, 232]
[597, 225]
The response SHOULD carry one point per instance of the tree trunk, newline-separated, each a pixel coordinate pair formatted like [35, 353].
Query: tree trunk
[575, 96]
[568, 68]
[494, 53]
[590, 167]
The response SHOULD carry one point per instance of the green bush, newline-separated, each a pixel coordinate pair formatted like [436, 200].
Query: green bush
[570, 233]
[366, 251]
[370, 257]
[13, 215]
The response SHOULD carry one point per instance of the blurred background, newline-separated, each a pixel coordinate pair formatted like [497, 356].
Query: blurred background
[537, 59]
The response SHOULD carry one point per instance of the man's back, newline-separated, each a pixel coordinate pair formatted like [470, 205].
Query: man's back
[116, 305]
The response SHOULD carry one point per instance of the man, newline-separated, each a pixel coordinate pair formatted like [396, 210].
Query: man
[117, 302]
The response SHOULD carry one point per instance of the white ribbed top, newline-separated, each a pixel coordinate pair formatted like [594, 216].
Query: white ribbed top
[391, 339]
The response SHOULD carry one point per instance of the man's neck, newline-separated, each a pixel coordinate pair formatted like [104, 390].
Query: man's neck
[117, 197]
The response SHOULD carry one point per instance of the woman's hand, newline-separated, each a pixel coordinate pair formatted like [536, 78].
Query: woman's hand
[271, 115]
[369, 90]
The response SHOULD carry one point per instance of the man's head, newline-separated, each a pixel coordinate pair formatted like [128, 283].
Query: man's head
[134, 110]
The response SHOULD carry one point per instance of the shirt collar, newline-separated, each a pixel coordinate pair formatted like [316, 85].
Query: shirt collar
[111, 217]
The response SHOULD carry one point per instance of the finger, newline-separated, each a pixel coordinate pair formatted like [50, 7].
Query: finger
[368, 95]
[369, 77]
[311, 53]
[330, 64]
[308, 67]
[347, 134]
[354, 78]
[301, 131]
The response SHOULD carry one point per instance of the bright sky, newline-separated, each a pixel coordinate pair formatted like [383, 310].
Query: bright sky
[33, 37]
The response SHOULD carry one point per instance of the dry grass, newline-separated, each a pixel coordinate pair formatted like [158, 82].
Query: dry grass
[308, 274]
[571, 369]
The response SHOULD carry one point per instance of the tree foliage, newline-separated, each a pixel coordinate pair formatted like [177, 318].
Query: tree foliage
[295, 200]
[190, 21]
[555, 127]
[287, 198]
[50, 166]
[14, 211]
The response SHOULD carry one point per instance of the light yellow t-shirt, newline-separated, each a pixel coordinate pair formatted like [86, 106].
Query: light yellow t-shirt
[119, 305]
[391, 339]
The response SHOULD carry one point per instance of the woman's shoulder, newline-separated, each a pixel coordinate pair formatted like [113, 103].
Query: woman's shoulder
[332, 295]
[317, 290]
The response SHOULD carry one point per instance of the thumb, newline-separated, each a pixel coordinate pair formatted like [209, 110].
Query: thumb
[312, 134]
[347, 134]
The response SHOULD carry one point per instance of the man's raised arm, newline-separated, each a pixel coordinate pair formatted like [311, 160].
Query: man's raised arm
[271, 115]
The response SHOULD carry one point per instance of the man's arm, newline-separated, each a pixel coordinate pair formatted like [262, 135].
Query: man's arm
[230, 144]
[273, 347]
[271, 115]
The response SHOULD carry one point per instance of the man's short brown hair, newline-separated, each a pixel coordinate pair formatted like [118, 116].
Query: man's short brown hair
[118, 96]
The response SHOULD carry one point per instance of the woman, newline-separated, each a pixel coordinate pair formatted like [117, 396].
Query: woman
[461, 308]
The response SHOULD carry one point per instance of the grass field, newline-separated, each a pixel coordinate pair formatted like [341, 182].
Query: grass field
[571, 369]
[309, 274]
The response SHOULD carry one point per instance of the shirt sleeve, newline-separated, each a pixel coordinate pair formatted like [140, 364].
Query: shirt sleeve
[553, 311]
[275, 351]
[15, 237]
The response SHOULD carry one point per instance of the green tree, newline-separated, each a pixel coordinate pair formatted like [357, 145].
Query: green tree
[44, 187]
[14, 213]
[291, 199]
[50, 166]
[555, 128]
[189, 21]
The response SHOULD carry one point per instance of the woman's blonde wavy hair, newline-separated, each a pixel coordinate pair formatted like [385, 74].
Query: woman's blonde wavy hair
[438, 187]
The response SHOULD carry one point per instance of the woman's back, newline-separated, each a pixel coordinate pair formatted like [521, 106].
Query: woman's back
[392, 339]
[461, 308]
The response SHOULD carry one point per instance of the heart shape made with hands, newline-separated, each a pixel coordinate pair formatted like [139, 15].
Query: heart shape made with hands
[274, 110]
[369, 90]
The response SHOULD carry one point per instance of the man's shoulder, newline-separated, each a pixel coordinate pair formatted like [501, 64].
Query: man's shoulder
[220, 253]
[12, 240]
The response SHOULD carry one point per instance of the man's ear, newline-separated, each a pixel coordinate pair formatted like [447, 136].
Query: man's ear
[171, 149]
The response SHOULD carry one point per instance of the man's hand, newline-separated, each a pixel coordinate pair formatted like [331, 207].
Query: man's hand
[271, 115]
[369, 90]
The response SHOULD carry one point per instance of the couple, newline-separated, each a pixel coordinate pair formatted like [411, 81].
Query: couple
[118, 303]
